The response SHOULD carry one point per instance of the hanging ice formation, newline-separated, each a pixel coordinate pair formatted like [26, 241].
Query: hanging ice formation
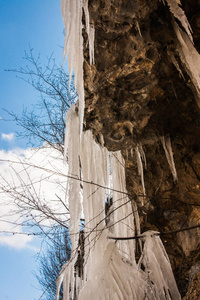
[178, 13]
[72, 12]
[190, 59]
[185, 47]
[99, 267]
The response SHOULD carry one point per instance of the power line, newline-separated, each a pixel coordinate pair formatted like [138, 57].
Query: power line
[153, 233]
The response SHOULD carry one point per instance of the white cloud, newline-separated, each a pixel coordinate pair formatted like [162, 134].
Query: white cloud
[35, 173]
[17, 241]
[7, 137]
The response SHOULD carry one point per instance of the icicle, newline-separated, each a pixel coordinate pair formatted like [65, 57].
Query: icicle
[63, 278]
[143, 156]
[90, 31]
[66, 282]
[91, 43]
[188, 54]
[73, 48]
[139, 155]
[157, 268]
[72, 149]
[166, 142]
[123, 216]
[95, 168]
[95, 161]
[59, 281]
[190, 59]
[178, 13]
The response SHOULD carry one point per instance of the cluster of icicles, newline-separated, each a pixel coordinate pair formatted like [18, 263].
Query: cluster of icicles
[72, 12]
[101, 268]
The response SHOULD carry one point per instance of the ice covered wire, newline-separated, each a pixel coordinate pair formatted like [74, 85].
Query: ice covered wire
[72, 12]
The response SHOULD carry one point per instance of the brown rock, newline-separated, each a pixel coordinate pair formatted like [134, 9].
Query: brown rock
[134, 95]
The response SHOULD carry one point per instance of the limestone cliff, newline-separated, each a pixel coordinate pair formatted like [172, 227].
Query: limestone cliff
[139, 93]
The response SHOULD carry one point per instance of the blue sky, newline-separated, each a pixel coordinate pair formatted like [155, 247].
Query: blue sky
[23, 22]
[17, 281]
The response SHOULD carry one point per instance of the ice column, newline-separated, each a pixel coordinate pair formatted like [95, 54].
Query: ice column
[110, 269]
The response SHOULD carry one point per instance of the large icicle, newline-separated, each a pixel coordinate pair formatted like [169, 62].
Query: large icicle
[190, 59]
[178, 13]
[72, 151]
[188, 54]
[90, 31]
[157, 268]
[95, 168]
[124, 214]
[73, 48]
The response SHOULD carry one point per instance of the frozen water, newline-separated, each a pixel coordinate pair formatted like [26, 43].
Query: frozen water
[72, 12]
[178, 13]
[110, 269]
[107, 269]
[190, 59]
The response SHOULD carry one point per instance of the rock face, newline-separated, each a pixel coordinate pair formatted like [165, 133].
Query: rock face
[139, 93]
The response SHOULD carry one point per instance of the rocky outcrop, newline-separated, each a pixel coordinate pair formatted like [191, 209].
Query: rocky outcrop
[138, 91]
